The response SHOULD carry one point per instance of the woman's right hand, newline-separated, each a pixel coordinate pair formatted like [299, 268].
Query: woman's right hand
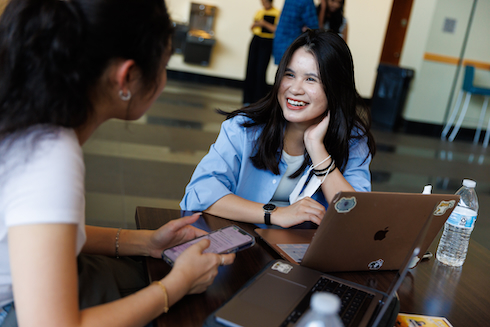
[198, 269]
[305, 209]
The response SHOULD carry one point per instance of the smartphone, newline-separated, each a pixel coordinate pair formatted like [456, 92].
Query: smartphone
[228, 239]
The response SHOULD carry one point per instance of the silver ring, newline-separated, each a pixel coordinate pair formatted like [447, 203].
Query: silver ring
[222, 261]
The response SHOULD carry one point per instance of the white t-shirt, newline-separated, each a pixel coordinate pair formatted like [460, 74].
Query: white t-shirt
[287, 185]
[40, 182]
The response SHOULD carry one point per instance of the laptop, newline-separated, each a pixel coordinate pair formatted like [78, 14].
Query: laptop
[281, 292]
[363, 231]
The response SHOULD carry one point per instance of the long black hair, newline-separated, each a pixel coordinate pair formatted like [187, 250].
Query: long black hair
[335, 18]
[54, 52]
[349, 117]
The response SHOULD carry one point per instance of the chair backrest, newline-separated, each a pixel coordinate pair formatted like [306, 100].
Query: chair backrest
[469, 75]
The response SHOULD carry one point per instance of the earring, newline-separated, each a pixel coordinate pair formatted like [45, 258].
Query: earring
[125, 97]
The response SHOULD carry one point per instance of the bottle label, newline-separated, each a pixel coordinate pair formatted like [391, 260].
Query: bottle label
[462, 217]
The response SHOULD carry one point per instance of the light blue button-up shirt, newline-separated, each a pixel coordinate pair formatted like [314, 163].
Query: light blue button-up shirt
[227, 169]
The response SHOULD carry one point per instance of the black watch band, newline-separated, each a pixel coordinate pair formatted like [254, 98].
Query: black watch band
[268, 209]
[267, 218]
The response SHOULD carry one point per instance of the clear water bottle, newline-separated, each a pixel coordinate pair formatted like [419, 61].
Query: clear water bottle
[323, 311]
[453, 245]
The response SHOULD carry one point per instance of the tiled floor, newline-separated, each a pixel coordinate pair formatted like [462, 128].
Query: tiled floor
[150, 161]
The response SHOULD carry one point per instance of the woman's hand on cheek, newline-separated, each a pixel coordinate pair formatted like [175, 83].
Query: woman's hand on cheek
[315, 134]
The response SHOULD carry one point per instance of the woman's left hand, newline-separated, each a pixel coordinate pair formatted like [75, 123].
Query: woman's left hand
[315, 134]
[172, 233]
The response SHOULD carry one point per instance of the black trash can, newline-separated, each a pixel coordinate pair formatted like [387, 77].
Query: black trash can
[390, 93]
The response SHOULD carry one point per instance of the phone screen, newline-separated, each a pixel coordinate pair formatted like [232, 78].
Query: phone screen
[225, 240]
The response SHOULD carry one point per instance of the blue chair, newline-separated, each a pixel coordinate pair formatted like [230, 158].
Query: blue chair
[468, 89]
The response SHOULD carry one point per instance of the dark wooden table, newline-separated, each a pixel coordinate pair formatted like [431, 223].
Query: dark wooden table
[462, 295]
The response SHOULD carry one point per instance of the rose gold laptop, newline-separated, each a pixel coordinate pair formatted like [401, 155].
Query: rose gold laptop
[363, 231]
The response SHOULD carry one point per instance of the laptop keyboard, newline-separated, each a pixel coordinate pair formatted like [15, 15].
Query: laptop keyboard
[352, 301]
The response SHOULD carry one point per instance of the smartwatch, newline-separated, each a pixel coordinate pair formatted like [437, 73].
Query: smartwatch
[268, 209]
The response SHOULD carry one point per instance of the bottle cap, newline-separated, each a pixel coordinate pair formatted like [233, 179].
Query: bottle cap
[326, 303]
[469, 183]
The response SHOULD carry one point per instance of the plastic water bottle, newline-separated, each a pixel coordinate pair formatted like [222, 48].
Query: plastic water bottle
[453, 245]
[323, 311]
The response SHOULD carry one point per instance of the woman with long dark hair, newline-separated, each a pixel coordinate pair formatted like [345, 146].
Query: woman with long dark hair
[311, 126]
[65, 68]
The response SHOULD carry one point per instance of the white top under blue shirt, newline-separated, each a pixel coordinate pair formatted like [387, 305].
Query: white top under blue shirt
[227, 169]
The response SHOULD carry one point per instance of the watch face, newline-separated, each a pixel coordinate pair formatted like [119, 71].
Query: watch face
[269, 207]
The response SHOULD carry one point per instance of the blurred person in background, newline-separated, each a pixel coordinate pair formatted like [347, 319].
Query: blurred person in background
[296, 17]
[259, 53]
[331, 17]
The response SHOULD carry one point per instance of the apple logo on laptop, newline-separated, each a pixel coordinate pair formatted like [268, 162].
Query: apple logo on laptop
[381, 234]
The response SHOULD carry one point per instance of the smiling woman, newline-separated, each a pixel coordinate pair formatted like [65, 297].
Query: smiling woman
[301, 94]
[310, 129]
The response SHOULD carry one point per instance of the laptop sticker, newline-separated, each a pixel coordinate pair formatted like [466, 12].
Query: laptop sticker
[414, 262]
[282, 267]
[345, 205]
[443, 206]
[375, 265]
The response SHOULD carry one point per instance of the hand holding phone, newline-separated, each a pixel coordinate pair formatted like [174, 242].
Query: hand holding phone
[228, 239]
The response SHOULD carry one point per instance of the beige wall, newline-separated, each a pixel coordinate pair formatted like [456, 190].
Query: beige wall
[431, 88]
[478, 49]
[232, 32]
[367, 25]
[368, 21]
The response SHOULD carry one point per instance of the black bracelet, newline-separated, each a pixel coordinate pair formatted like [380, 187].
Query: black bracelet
[324, 173]
[320, 171]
